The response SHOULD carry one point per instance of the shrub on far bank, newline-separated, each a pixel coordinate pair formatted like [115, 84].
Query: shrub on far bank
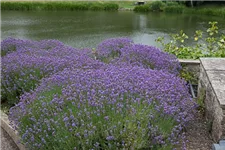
[180, 8]
[142, 8]
[111, 6]
[104, 6]
[96, 7]
[156, 6]
[152, 6]
[171, 3]
[206, 11]
[174, 9]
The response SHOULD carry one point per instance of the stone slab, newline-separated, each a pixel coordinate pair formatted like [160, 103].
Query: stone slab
[222, 142]
[213, 63]
[189, 61]
[212, 88]
[217, 79]
[220, 146]
[5, 124]
[6, 141]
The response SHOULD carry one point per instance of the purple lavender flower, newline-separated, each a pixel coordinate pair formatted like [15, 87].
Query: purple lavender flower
[111, 48]
[148, 57]
[24, 67]
[106, 117]
[122, 51]
[145, 107]
[110, 138]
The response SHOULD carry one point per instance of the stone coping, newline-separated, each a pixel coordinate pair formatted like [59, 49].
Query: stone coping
[215, 64]
[189, 61]
[5, 124]
[215, 69]
[220, 146]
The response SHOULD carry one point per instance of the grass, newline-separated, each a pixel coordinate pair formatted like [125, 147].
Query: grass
[207, 9]
[211, 11]
[172, 7]
[58, 5]
[122, 3]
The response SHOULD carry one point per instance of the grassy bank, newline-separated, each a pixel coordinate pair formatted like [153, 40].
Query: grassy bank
[129, 4]
[168, 7]
[211, 10]
[57, 5]
[174, 7]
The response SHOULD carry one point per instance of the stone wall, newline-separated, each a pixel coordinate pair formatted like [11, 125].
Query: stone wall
[211, 86]
[5, 125]
[191, 66]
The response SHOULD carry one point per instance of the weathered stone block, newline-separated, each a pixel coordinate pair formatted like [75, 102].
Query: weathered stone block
[213, 63]
[212, 80]
[220, 146]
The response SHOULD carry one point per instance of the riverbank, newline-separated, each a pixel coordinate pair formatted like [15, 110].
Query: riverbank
[180, 8]
[58, 5]
[123, 5]
[71, 5]
[208, 9]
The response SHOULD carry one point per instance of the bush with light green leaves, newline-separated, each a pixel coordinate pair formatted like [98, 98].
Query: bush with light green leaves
[209, 45]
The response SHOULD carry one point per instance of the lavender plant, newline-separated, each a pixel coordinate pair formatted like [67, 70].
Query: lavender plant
[115, 107]
[120, 51]
[111, 48]
[137, 101]
[9, 45]
[148, 57]
[24, 66]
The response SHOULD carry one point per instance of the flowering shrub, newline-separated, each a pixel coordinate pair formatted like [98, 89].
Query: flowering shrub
[111, 48]
[11, 44]
[120, 51]
[148, 57]
[71, 101]
[31, 61]
[109, 108]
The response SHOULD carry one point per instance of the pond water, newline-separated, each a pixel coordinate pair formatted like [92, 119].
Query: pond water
[87, 29]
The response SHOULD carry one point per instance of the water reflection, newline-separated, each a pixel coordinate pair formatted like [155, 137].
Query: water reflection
[87, 29]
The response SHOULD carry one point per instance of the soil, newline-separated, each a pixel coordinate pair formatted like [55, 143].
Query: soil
[198, 134]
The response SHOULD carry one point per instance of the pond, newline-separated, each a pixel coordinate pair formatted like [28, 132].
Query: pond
[87, 29]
